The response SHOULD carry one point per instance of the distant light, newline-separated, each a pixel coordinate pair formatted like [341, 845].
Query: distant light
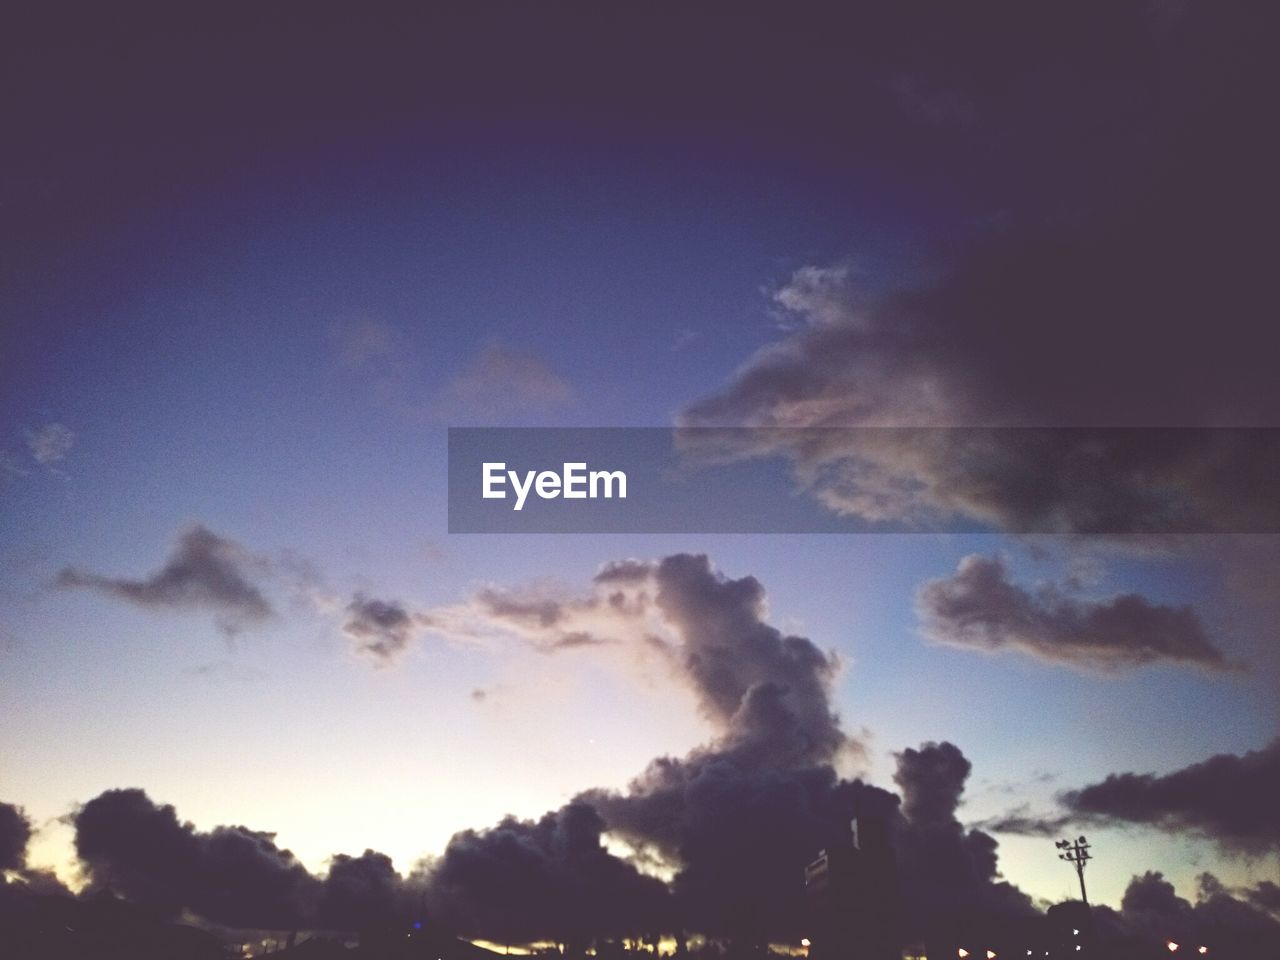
[1077, 947]
[1075, 932]
[962, 952]
[1172, 946]
[804, 942]
[991, 955]
[1028, 951]
[1204, 949]
[417, 924]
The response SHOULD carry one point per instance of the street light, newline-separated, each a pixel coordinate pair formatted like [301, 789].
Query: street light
[1173, 947]
[1077, 854]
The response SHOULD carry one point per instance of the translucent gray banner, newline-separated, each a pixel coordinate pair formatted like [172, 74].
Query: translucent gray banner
[864, 479]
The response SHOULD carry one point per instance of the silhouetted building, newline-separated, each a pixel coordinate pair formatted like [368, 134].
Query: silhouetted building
[852, 892]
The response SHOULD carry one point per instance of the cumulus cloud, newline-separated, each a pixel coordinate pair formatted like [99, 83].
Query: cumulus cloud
[950, 872]
[1227, 920]
[1232, 799]
[364, 893]
[768, 772]
[15, 832]
[728, 827]
[980, 608]
[552, 878]
[204, 572]
[230, 875]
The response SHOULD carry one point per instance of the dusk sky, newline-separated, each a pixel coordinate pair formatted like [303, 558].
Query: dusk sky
[257, 260]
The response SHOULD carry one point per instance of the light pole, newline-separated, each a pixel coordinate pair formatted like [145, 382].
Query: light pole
[1076, 853]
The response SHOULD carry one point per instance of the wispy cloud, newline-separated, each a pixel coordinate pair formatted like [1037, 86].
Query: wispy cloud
[504, 379]
[50, 444]
[204, 572]
[380, 629]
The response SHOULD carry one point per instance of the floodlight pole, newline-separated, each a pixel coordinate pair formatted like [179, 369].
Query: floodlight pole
[1076, 853]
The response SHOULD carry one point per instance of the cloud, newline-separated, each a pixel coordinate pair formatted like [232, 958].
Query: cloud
[1233, 800]
[379, 628]
[761, 689]
[498, 380]
[15, 832]
[11, 465]
[504, 379]
[1021, 821]
[361, 342]
[769, 769]
[364, 893]
[1266, 896]
[231, 875]
[1229, 921]
[949, 872]
[980, 608]
[204, 572]
[50, 444]
[1113, 304]
[552, 878]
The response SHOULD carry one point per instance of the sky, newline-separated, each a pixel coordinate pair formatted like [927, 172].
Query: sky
[257, 262]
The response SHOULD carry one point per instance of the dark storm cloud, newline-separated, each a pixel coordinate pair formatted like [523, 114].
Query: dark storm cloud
[230, 875]
[1116, 305]
[15, 831]
[379, 628]
[767, 772]
[949, 872]
[981, 608]
[205, 571]
[1233, 800]
[364, 893]
[1224, 920]
[1266, 896]
[693, 813]
[15, 834]
[547, 879]
[931, 780]
[732, 823]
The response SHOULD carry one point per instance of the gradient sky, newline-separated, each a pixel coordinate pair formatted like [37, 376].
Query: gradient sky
[255, 266]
